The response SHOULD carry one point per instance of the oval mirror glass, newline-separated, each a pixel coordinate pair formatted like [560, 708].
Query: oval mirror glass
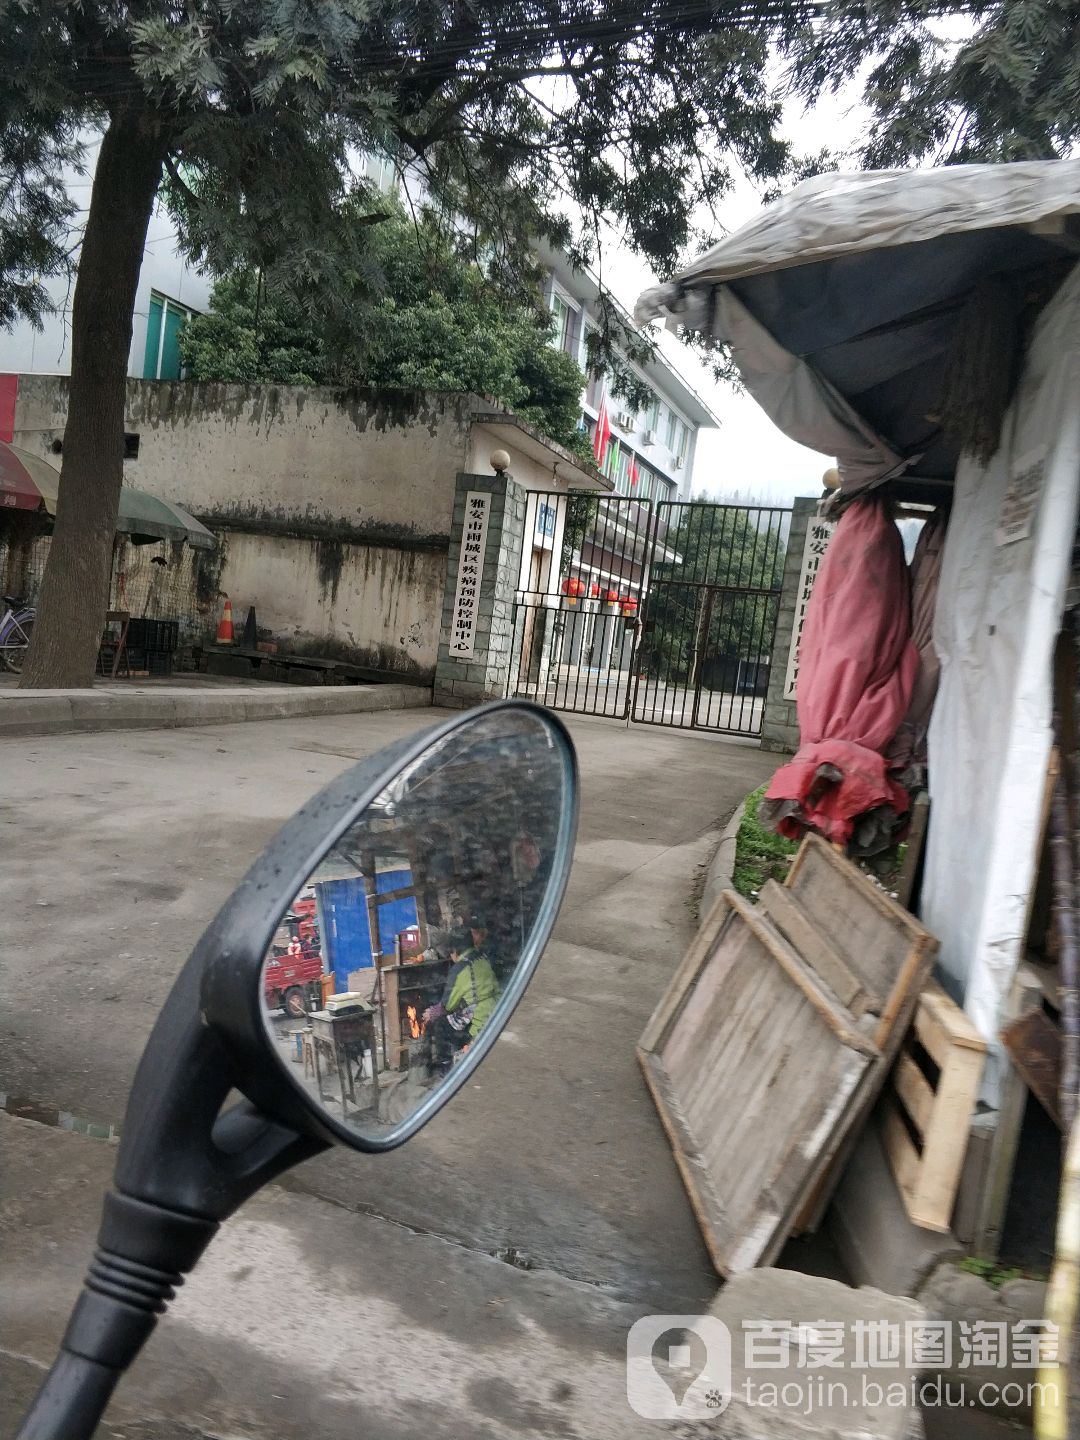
[404, 952]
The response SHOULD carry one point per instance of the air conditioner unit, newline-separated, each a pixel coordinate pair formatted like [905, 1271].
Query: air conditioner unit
[624, 420]
[650, 437]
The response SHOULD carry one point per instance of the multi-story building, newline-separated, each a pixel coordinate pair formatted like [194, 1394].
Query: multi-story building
[170, 290]
[658, 442]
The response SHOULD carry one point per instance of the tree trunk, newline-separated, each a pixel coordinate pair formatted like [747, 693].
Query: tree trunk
[75, 588]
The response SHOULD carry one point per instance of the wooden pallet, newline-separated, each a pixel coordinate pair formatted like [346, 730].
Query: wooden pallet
[927, 1167]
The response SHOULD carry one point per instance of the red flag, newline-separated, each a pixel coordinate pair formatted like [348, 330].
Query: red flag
[633, 471]
[603, 433]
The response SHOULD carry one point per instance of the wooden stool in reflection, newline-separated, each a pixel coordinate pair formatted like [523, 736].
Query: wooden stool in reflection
[308, 1050]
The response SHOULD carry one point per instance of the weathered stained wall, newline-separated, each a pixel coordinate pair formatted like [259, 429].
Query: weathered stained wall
[372, 605]
[349, 464]
[332, 508]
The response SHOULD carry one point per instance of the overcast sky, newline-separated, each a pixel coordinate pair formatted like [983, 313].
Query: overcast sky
[747, 452]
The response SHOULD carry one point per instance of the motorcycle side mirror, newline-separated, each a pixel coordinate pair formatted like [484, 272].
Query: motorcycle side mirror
[426, 880]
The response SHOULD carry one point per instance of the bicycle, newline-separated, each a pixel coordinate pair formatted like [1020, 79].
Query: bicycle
[16, 627]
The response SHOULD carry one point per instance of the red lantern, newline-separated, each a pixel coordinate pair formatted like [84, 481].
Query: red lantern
[594, 590]
[572, 587]
[629, 606]
[611, 596]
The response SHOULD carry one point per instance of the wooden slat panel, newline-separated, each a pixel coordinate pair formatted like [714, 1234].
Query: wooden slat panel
[834, 1015]
[901, 1152]
[945, 1139]
[754, 1068]
[888, 951]
[870, 932]
[929, 1180]
[783, 909]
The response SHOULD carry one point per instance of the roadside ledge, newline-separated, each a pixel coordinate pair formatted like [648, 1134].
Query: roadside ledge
[722, 865]
[56, 712]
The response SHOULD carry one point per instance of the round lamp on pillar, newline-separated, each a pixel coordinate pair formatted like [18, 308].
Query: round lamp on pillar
[500, 461]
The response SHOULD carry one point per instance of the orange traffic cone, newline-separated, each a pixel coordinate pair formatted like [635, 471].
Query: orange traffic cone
[224, 630]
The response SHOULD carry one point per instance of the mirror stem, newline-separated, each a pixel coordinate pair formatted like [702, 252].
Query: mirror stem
[143, 1253]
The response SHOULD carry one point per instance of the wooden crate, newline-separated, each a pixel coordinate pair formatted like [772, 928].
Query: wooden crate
[928, 1167]
[753, 1067]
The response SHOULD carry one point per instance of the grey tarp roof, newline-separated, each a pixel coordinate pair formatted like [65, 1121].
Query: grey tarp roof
[840, 300]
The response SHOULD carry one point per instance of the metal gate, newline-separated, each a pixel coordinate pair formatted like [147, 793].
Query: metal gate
[709, 618]
[576, 609]
[662, 613]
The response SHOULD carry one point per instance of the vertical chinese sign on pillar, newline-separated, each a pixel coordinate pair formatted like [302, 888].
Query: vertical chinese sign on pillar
[470, 575]
[818, 535]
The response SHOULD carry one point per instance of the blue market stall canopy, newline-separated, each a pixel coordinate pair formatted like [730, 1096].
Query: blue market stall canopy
[28, 482]
[842, 302]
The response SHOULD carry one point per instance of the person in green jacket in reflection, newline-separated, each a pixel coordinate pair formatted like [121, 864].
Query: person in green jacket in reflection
[470, 996]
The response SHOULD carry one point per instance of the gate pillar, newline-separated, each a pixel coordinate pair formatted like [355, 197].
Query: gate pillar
[780, 730]
[483, 565]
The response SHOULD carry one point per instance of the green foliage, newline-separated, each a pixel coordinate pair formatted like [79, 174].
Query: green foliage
[715, 547]
[760, 854]
[253, 334]
[419, 316]
[1007, 89]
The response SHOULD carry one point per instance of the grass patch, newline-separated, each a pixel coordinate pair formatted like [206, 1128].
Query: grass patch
[760, 854]
[995, 1275]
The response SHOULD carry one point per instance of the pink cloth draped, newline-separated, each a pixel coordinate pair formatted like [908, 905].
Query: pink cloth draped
[857, 669]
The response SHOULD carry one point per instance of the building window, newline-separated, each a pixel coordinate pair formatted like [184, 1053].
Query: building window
[672, 426]
[560, 314]
[164, 321]
[621, 471]
[652, 415]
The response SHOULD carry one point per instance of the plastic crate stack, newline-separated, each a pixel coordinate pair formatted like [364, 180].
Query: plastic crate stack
[151, 645]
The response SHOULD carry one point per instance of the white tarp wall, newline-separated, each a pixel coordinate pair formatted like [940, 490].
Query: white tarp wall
[998, 614]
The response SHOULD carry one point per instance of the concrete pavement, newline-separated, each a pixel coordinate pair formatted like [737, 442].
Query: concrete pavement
[514, 1240]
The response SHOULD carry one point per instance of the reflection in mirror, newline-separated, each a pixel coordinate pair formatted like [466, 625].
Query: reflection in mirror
[396, 953]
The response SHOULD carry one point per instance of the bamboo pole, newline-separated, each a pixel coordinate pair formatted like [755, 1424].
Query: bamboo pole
[1053, 1420]
[1064, 878]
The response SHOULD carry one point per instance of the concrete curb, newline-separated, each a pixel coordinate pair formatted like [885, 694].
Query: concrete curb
[722, 865]
[66, 712]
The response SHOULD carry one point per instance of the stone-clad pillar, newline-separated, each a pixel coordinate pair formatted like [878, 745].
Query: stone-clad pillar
[780, 730]
[483, 567]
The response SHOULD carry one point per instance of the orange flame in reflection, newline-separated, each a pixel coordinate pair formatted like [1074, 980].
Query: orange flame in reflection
[415, 1028]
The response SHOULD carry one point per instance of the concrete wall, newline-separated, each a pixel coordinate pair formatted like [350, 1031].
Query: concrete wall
[351, 465]
[374, 605]
[332, 508]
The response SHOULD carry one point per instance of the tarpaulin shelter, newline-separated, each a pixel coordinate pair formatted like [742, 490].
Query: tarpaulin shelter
[843, 305]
